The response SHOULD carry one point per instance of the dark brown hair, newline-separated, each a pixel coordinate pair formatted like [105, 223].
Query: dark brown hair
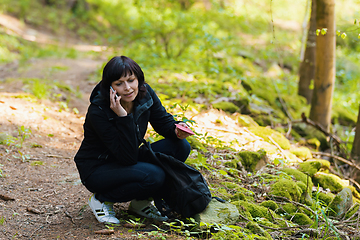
[121, 66]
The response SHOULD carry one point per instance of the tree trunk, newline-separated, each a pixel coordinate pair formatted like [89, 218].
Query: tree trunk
[355, 152]
[307, 66]
[321, 102]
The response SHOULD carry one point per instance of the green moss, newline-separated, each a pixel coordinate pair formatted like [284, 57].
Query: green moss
[354, 192]
[226, 106]
[266, 177]
[235, 234]
[302, 186]
[250, 159]
[264, 221]
[314, 142]
[270, 204]
[231, 185]
[334, 206]
[255, 210]
[301, 152]
[325, 197]
[352, 210]
[310, 167]
[231, 164]
[286, 188]
[246, 121]
[255, 228]
[301, 219]
[222, 193]
[299, 176]
[328, 181]
[243, 210]
[265, 133]
[238, 196]
[288, 208]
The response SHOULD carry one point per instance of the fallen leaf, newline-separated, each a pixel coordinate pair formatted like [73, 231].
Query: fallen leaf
[33, 210]
[105, 231]
[13, 108]
[6, 198]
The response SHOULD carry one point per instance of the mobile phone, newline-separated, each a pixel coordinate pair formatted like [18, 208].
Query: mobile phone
[113, 90]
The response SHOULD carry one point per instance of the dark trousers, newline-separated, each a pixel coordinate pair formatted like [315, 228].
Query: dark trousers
[116, 183]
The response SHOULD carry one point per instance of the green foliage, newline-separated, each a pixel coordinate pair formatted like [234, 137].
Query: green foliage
[1, 171]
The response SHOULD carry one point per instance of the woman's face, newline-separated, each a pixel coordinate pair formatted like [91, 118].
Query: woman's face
[126, 87]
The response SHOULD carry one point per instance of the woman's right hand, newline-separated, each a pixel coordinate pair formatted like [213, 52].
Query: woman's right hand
[115, 104]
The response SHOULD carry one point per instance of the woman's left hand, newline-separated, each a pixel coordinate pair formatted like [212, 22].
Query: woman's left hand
[182, 134]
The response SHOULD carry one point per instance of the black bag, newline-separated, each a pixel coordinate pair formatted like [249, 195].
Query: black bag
[187, 192]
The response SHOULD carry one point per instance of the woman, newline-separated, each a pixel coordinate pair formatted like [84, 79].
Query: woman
[110, 162]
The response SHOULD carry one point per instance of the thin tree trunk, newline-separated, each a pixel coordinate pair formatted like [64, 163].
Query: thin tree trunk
[355, 152]
[307, 66]
[321, 102]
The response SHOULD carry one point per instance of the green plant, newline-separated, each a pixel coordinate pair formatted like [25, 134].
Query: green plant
[1, 171]
[2, 220]
[23, 134]
[320, 209]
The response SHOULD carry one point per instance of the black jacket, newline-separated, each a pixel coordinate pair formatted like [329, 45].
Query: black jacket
[108, 137]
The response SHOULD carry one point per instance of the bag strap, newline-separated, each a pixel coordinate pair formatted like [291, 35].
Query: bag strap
[167, 169]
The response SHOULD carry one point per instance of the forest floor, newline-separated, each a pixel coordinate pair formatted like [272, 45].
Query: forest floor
[49, 201]
[41, 196]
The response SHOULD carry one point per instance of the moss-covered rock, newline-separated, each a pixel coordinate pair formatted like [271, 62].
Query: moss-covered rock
[265, 133]
[302, 219]
[270, 204]
[238, 196]
[231, 164]
[341, 203]
[299, 176]
[226, 107]
[255, 210]
[330, 181]
[314, 142]
[256, 229]
[218, 213]
[355, 193]
[324, 197]
[222, 193]
[288, 208]
[301, 152]
[252, 161]
[312, 166]
[243, 210]
[246, 121]
[286, 188]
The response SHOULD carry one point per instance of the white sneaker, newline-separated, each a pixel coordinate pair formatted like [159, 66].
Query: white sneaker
[146, 209]
[103, 211]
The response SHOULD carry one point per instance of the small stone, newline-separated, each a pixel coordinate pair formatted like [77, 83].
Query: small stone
[218, 213]
[341, 203]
